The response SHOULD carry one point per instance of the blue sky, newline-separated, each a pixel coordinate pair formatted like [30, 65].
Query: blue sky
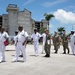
[63, 10]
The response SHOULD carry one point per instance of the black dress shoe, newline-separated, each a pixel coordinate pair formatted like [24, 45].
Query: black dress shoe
[55, 52]
[64, 53]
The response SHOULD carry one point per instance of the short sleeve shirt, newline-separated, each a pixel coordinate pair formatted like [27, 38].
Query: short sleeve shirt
[44, 37]
[4, 35]
[22, 35]
[36, 36]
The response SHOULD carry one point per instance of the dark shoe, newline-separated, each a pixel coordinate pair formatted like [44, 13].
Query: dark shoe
[74, 54]
[55, 52]
[68, 52]
[20, 55]
[64, 52]
[47, 56]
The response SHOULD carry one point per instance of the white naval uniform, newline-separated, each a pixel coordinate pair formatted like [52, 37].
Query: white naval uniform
[3, 37]
[44, 39]
[36, 41]
[20, 47]
[15, 41]
[72, 40]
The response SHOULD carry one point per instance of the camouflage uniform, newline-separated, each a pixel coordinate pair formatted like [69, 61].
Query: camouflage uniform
[48, 45]
[56, 42]
[65, 43]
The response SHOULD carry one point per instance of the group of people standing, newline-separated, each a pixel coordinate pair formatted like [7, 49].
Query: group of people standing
[57, 39]
[20, 41]
[46, 39]
[65, 40]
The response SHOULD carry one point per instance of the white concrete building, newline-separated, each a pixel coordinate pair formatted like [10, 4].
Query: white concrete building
[14, 18]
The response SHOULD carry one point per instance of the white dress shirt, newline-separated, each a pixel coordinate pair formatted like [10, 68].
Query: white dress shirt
[36, 37]
[21, 36]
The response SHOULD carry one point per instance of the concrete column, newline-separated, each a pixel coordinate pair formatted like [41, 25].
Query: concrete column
[12, 19]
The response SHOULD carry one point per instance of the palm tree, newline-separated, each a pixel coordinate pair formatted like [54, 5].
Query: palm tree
[48, 17]
[60, 30]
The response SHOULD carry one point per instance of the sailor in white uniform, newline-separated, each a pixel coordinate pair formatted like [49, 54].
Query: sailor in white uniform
[3, 37]
[72, 42]
[22, 39]
[35, 38]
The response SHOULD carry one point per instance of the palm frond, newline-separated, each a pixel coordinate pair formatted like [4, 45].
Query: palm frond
[48, 16]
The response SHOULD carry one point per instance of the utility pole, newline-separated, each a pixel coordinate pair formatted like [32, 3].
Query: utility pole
[72, 27]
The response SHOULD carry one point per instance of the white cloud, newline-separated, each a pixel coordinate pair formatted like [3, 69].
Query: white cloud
[28, 2]
[48, 4]
[64, 16]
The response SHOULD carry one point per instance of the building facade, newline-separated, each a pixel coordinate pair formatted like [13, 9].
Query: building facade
[14, 18]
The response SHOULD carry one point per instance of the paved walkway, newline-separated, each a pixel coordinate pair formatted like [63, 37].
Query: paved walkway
[58, 64]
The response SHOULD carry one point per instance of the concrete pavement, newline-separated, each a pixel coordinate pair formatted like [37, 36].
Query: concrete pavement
[57, 64]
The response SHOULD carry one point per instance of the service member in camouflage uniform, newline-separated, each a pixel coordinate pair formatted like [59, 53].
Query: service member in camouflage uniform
[47, 43]
[65, 42]
[56, 42]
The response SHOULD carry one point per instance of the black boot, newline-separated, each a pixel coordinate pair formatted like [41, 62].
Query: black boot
[47, 55]
[64, 52]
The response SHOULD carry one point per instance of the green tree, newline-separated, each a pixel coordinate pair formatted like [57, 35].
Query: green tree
[60, 30]
[48, 17]
[42, 30]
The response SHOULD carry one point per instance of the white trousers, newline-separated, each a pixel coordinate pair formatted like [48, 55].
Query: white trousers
[43, 44]
[36, 45]
[73, 48]
[2, 52]
[19, 48]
